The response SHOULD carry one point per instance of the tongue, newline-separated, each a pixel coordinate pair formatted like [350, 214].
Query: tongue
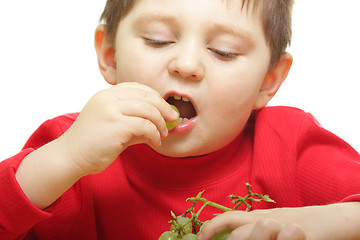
[186, 109]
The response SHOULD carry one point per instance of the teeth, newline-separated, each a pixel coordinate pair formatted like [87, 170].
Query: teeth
[183, 120]
[177, 97]
[185, 99]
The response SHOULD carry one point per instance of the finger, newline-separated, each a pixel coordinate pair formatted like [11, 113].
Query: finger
[141, 130]
[228, 220]
[126, 91]
[266, 229]
[141, 109]
[127, 85]
[241, 233]
[292, 232]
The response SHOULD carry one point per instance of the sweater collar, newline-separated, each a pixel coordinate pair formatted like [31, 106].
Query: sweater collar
[142, 162]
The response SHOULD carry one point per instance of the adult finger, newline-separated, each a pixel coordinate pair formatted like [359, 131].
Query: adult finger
[265, 229]
[226, 221]
[241, 233]
[292, 232]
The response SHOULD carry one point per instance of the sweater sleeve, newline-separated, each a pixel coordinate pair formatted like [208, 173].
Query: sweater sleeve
[328, 167]
[17, 214]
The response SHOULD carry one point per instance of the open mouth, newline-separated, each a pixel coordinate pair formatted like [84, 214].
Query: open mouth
[185, 107]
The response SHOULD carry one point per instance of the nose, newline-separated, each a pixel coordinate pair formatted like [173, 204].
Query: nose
[187, 63]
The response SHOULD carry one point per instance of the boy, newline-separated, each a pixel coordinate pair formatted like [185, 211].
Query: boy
[115, 172]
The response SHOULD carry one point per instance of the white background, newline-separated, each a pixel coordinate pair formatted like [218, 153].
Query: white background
[48, 64]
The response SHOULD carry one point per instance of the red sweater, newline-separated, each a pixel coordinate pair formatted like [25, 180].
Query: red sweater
[283, 152]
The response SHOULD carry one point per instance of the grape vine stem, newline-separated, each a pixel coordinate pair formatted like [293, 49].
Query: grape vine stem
[208, 203]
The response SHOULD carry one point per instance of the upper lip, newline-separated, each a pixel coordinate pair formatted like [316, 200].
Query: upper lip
[173, 93]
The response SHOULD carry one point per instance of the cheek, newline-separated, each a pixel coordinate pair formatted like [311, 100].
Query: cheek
[225, 127]
[131, 69]
[242, 87]
[137, 66]
[236, 97]
[231, 106]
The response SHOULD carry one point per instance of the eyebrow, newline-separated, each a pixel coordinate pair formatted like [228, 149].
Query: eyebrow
[155, 16]
[244, 34]
[236, 31]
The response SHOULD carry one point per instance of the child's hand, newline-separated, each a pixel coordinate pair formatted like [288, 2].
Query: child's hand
[113, 119]
[339, 221]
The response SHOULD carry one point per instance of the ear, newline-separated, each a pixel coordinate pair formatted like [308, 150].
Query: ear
[273, 80]
[106, 55]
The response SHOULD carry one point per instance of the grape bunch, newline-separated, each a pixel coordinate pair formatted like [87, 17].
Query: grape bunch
[188, 226]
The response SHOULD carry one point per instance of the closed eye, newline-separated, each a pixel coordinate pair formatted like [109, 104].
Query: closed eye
[156, 43]
[224, 55]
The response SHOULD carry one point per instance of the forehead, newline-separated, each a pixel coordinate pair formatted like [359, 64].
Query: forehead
[227, 12]
[247, 4]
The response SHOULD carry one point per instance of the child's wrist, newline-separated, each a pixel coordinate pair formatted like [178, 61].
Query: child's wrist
[70, 157]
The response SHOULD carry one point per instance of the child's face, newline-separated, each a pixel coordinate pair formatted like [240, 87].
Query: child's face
[210, 51]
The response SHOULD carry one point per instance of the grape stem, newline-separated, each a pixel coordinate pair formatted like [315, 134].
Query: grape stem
[237, 200]
[250, 197]
[196, 223]
[207, 203]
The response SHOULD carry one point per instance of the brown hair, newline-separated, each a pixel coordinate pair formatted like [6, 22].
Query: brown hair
[276, 19]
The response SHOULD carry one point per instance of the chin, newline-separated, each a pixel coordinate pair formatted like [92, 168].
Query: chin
[182, 150]
[178, 151]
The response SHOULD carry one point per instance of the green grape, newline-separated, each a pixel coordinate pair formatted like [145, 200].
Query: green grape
[190, 236]
[221, 236]
[171, 125]
[185, 222]
[168, 235]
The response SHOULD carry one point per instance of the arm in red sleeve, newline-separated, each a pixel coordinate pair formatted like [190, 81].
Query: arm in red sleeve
[328, 167]
[17, 214]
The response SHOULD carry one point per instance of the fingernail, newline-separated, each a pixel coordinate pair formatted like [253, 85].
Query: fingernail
[165, 133]
[175, 111]
[175, 114]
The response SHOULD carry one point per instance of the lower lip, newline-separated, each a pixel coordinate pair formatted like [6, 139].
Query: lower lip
[184, 127]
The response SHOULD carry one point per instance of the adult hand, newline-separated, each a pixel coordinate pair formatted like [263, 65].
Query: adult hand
[338, 221]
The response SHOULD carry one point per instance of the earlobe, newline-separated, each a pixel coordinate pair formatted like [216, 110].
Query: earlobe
[273, 80]
[106, 55]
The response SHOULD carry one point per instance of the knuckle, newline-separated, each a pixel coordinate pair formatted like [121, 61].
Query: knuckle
[149, 109]
[101, 94]
[146, 95]
[266, 224]
[152, 96]
[150, 128]
[293, 232]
